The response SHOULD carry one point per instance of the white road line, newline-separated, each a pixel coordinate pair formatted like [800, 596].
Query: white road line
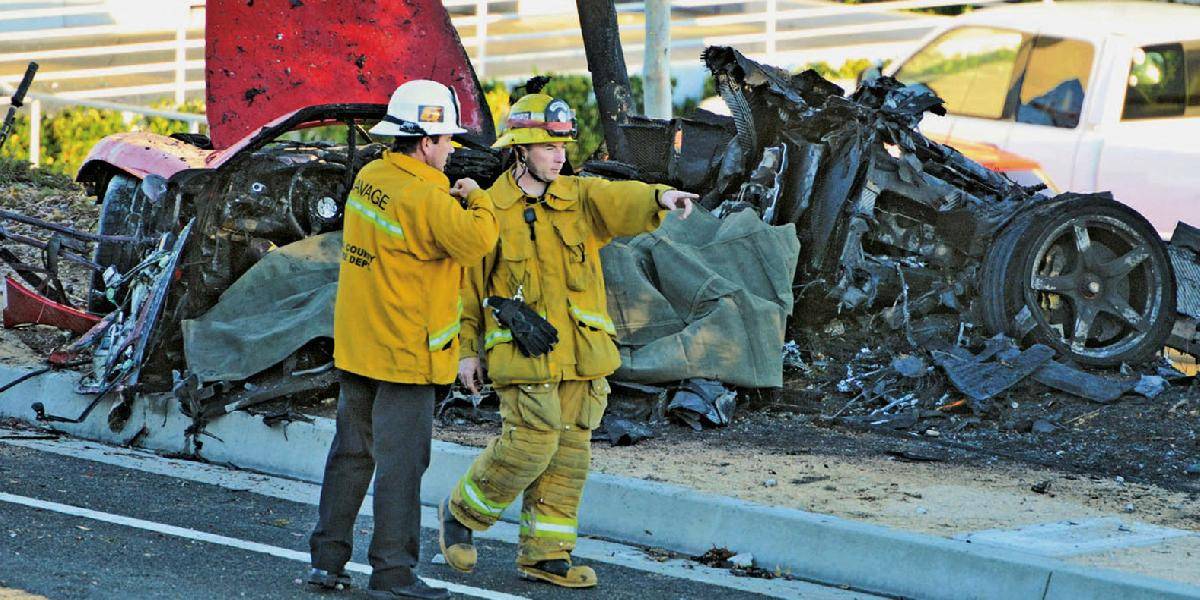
[201, 536]
[309, 493]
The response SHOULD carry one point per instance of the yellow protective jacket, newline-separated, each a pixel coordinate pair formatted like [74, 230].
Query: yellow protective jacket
[557, 269]
[405, 244]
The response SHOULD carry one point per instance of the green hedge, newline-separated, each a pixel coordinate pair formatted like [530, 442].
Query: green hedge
[68, 134]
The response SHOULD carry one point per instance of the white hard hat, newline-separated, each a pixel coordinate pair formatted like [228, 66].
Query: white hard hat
[420, 107]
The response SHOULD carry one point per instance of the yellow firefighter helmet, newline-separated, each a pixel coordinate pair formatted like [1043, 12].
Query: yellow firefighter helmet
[537, 119]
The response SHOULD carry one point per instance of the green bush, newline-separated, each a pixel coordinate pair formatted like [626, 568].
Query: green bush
[849, 69]
[164, 126]
[69, 134]
[17, 145]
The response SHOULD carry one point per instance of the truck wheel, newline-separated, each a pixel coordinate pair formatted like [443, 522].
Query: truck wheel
[1088, 277]
[115, 219]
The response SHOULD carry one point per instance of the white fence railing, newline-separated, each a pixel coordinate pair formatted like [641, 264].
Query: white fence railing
[501, 40]
[498, 38]
[186, 22]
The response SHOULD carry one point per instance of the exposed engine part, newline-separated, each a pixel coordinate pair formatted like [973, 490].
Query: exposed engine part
[765, 183]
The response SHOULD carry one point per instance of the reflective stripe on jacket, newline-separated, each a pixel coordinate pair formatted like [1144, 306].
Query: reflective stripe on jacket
[405, 243]
[557, 269]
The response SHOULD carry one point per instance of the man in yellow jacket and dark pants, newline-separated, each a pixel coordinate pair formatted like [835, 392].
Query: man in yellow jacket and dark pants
[547, 265]
[405, 242]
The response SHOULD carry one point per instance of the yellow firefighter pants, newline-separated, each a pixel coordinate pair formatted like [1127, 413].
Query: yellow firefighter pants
[543, 451]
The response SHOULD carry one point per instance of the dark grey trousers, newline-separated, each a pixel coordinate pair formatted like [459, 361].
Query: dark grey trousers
[382, 428]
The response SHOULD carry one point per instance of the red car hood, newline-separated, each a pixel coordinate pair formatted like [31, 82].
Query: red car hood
[268, 58]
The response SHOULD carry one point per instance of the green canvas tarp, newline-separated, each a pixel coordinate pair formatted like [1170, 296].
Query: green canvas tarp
[703, 298]
[697, 298]
[281, 303]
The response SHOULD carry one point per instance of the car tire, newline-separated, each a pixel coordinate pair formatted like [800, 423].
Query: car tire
[115, 219]
[1055, 276]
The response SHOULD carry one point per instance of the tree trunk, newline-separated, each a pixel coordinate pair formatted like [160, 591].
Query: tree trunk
[606, 61]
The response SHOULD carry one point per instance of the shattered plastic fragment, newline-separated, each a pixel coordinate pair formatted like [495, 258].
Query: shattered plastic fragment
[705, 399]
[1043, 426]
[792, 358]
[620, 431]
[910, 366]
[984, 380]
[1080, 383]
[1150, 386]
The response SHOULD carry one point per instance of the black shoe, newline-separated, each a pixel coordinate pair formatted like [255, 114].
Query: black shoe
[329, 580]
[417, 589]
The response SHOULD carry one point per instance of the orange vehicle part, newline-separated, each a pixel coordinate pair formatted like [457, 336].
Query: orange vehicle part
[1001, 161]
[26, 306]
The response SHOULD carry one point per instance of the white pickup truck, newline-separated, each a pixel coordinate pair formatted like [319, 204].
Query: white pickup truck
[1104, 96]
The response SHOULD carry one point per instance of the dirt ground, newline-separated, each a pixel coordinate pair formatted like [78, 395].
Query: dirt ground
[784, 460]
[52, 198]
[863, 476]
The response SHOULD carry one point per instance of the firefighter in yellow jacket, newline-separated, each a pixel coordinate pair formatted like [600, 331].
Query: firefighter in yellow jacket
[405, 242]
[550, 376]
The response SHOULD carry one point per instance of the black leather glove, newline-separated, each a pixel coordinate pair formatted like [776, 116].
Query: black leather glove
[533, 335]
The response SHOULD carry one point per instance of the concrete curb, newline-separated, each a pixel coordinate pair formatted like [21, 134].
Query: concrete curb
[817, 547]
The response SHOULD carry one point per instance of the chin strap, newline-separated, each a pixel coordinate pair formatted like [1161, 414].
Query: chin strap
[524, 164]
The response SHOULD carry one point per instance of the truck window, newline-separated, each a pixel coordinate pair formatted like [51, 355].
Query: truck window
[1164, 81]
[971, 68]
[1192, 63]
[1054, 83]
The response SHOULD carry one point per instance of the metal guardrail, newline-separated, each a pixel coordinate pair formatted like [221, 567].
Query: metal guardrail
[489, 28]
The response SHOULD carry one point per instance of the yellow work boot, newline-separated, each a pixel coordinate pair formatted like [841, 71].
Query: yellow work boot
[559, 572]
[455, 540]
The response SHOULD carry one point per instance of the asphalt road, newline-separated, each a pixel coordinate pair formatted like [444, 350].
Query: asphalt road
[80, 520]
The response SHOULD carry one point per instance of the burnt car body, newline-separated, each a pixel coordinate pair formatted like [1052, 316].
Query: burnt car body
[895, 223]
[888, 220]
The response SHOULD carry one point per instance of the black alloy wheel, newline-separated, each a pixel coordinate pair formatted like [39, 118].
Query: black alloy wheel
[1089, 277]
[1098, 277]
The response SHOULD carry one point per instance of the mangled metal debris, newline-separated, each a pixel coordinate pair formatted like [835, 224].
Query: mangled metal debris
[700, 401]
[620, 431]
[983, 376]
[924, 241]
[118, 343]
